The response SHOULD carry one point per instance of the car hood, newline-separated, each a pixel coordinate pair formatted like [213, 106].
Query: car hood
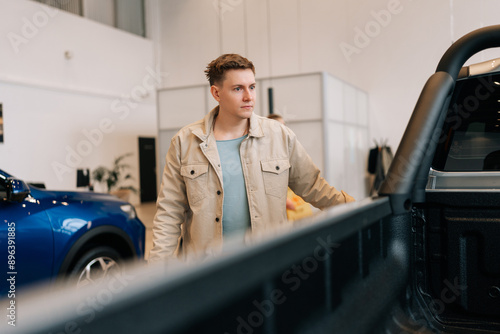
[75, 196]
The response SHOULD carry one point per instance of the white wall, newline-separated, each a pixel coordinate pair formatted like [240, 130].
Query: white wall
[403, 46]
[62, 113]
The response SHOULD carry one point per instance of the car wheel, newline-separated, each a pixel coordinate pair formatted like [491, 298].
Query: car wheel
[95, 265]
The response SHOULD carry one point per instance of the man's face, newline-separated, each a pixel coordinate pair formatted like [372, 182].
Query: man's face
[236, 93]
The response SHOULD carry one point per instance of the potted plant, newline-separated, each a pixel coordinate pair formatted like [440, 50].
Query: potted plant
[114, 178]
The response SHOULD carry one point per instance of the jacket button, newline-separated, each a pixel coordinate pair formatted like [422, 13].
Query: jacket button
[192, 172]
[218, 192]
[277, 167]
[217, 219]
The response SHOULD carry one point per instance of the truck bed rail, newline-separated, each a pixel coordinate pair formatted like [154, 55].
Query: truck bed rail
[310, 279]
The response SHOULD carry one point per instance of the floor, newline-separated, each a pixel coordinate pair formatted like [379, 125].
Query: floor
[146, 213]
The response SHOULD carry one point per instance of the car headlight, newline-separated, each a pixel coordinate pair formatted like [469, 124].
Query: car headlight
[129, 210]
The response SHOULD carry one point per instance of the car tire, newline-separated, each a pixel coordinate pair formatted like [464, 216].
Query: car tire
[95, 265]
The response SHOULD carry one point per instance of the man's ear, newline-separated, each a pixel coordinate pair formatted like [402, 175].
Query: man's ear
[215, 92]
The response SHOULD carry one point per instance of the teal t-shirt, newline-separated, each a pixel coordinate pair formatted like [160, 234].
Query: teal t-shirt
[235, 213]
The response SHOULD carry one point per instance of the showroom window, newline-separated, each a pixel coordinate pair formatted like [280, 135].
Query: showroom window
[72, 6]
[126, 15]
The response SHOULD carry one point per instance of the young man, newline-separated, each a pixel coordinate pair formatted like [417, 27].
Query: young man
[228, 174]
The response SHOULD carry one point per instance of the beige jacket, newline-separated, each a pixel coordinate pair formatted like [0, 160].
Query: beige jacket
[191, 194]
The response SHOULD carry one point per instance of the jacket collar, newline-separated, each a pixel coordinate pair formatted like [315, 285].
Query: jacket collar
[255, 129]
[206, 128]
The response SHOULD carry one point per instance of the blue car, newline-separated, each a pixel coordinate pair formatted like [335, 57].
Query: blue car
[48, 235]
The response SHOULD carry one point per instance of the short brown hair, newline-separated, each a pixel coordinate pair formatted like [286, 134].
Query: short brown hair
[216, 69]
[275, 117]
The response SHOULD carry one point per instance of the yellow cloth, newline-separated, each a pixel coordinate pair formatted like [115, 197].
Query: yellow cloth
[302, 208]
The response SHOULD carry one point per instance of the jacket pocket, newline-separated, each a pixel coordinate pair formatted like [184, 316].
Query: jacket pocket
[275, 175]
[196, 180]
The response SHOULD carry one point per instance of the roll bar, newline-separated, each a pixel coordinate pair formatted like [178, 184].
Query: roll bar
[465, 47]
